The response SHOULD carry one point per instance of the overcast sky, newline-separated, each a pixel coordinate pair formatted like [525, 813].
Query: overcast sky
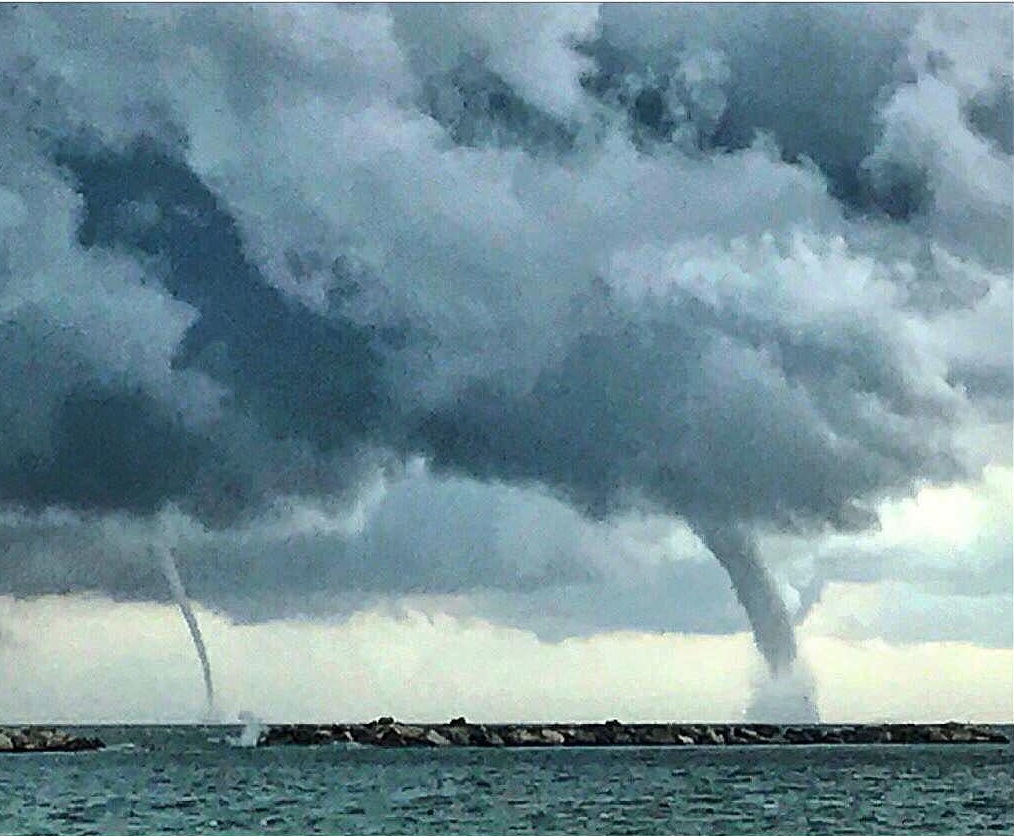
[529, 361]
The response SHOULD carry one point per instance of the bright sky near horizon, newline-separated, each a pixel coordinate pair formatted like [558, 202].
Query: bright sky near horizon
[519, 361]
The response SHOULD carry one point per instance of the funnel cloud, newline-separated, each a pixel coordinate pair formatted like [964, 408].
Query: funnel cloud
[179, 593]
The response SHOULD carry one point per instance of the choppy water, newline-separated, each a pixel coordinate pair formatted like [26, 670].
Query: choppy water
[191, 781]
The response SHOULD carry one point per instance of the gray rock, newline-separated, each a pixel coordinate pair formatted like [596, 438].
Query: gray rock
[581, 736]
[745, 735]
[656, 736]
[458, 736]
[34, 739]
[488, 737]
[385, 731]
[435, 738]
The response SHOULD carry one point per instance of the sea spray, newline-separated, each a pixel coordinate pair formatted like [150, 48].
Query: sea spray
[251, 734]
[787, 697]
[172, 575]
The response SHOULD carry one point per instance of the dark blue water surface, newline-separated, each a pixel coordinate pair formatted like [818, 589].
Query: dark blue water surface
[190, 780]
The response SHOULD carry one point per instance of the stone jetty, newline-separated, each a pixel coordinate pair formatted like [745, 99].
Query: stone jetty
[386, 731]
[38, 739]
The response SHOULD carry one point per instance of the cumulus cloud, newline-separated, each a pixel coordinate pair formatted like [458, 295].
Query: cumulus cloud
[532, 50]
[746, 269]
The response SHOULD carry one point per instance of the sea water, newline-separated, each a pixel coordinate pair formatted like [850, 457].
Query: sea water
[196, 780]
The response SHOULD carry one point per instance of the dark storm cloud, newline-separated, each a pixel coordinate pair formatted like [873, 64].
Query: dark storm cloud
[810, 75]
[723, 263]
[299, 372]
[111, 450]
[442, 537]
[302, 376]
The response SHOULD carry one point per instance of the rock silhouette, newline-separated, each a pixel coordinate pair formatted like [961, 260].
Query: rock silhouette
[386, 731]
[38, 739]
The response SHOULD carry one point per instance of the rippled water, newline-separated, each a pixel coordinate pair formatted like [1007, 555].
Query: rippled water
[191, 781]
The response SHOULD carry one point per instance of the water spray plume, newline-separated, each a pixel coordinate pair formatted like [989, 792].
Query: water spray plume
[172, 575]
[787, 698]
[252, 728]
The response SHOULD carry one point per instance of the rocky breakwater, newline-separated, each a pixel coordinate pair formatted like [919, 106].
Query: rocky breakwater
[37, 739]
[386, 731]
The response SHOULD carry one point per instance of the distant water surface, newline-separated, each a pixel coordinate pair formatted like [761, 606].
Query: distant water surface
[190, 780]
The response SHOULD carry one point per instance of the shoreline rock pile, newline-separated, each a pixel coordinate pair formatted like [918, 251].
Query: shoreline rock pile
[386, 731]
[38, 739]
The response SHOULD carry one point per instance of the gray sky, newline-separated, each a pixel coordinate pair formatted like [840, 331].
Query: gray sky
[519, 332]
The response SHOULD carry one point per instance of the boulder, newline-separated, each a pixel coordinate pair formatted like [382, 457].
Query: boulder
[802, 734]
[531, 736]
[744, 735]
[362, 734]
[34, 739]
[385, 731]
[482, 736]
[987, 735]
[457, 736]
[869, 734]
[655, 736]
[519, 736]
[581, 736]
[435, 738]
[403, 734]
[766, 731]
[82, 744]
[904, 733]
[410, 734]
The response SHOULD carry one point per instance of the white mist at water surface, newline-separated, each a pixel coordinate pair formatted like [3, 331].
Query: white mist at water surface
[252, 726]
[785, 697]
